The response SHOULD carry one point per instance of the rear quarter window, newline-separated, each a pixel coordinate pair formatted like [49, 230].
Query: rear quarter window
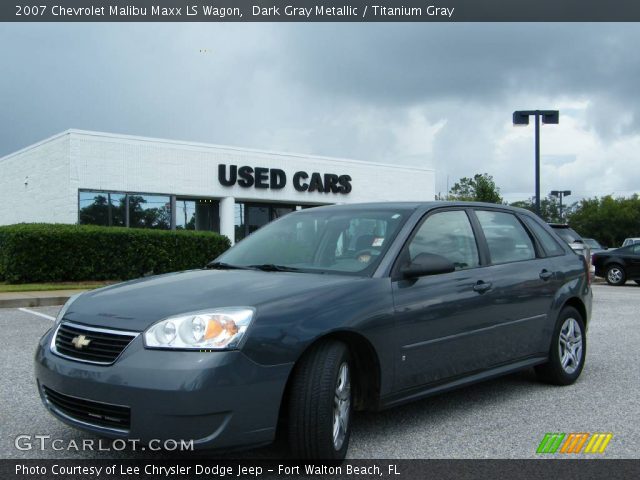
[567, 234]
[549, 244]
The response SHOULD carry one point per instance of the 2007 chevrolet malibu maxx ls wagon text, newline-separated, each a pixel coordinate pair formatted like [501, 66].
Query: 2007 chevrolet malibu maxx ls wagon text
[321, 312]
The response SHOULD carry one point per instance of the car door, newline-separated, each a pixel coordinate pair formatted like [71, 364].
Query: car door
[439, 318]
[523, 282]
[633, 262]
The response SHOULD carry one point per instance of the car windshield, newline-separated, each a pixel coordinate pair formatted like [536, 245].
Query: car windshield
[592, 243]
[335, 240]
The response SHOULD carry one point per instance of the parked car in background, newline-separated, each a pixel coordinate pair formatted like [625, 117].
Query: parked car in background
[594, 245]
[630, 241]
[619, 265]
[573, 239]
[317, 314]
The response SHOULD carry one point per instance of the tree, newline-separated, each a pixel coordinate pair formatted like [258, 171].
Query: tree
[549, 208]
[609, 220]
[480, 188]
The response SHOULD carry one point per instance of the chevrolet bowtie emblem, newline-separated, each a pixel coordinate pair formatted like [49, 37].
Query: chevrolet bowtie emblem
[80, 341]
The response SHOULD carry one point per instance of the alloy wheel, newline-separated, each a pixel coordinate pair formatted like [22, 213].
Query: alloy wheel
[341, 408]
[614, 275]
[570, 345]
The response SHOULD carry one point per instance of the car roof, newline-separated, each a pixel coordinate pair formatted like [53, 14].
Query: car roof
[418, 205]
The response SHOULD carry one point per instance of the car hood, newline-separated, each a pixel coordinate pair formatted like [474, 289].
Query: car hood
[138, 304]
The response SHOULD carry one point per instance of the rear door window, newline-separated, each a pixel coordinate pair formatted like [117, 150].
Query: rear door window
[507, 239]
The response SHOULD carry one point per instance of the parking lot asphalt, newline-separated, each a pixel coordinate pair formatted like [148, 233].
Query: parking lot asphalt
[502, 418]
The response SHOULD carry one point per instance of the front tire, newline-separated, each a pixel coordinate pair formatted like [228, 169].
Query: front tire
[320, 403]
[568, 350]
[616, 275]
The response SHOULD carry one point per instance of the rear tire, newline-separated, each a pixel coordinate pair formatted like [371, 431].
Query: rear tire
[615, 275]
[320, 403]
[568, 350]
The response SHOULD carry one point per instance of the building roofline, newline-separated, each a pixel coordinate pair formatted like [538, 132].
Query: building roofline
[204, 145]
[37, 144]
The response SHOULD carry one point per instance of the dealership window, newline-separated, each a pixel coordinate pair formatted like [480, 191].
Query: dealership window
[185, 214]
[143, 210]
[149, 211]
[118, 209]
[102, 208]
[249, 217]
[197, 214]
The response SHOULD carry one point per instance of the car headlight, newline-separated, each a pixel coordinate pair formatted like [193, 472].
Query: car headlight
[217, 329]
[65, 307]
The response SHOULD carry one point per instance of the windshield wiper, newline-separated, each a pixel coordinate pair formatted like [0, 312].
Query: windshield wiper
[271, 267]
[265, 267]
[226, 266]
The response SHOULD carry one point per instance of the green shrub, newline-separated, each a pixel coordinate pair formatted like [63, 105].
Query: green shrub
[41, 252]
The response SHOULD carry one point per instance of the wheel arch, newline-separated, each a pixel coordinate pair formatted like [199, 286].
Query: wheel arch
[613, 261]
[576, 303]
[366, 366]
[366, 369]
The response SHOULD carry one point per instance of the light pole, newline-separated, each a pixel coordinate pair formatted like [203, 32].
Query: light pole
[521, 117]
[559, 194]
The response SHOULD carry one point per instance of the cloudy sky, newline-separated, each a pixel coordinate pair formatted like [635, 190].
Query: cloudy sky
[435, 95]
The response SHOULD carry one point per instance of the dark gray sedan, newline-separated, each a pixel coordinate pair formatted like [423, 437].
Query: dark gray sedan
[321, 312]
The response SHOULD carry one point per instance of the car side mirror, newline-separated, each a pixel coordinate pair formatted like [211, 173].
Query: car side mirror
[428, 264]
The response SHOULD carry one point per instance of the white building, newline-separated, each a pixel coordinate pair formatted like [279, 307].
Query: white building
[101, 178]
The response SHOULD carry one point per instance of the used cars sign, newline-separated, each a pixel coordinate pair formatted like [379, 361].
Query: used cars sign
[276, 179]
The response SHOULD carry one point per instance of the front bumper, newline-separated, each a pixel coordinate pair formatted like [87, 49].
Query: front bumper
[216, 399]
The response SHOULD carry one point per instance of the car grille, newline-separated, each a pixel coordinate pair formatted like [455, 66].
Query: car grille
[90, 344]
[104, 415]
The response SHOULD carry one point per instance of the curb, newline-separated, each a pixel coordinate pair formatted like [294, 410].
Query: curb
[33, 302]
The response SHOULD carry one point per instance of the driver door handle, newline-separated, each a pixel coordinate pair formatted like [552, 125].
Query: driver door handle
[546, 274]
[482, 287]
